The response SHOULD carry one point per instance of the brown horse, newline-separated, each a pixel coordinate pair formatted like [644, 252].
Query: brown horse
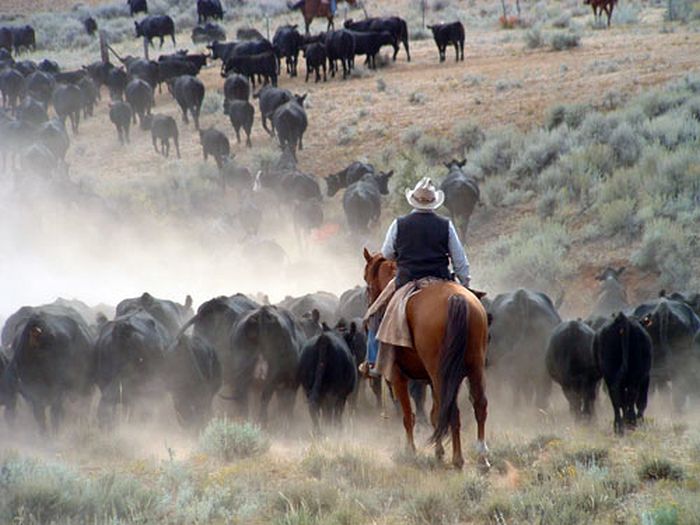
[318, 9]
[450, 332]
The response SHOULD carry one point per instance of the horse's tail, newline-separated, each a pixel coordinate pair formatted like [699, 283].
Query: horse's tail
[452, 367]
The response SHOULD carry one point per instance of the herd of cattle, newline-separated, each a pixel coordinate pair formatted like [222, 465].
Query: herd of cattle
[238, 347]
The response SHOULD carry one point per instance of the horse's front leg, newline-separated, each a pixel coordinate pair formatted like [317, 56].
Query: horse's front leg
[399, 384]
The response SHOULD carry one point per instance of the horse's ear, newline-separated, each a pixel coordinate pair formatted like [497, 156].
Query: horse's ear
[368, 256]
[462, 162]
[389, 174]
[353, 329]
[315, 315]
[188, 301]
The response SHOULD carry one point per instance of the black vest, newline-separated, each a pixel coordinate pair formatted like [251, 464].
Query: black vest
[422, 247]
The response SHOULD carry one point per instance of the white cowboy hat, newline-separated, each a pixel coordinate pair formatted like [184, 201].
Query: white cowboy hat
[425, 196]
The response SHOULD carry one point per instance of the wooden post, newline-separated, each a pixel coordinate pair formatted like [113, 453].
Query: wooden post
[145, 48]
[104, 52]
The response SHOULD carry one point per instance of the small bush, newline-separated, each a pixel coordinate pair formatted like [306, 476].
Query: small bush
[564, 40]
[570, 114]
[618, 217]
[226, 440]
[498, 152]
[626, 14]
[507, 85]
[417, 98]
[346, 135]
[626, 145]
[430, 508]
[562, 21]
[544, 149]
[433, 148]
[213, 103]
[597, 128]
[412, 135]
[666, 248]
[547, 205]
[655, 469]
[471, 80]
[534, 38]
[381, 85]
[494, 191]
[468, 135]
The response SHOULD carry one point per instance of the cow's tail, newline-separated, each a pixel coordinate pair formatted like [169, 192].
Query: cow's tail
[321, 362]
[624, 364]
[452, 368]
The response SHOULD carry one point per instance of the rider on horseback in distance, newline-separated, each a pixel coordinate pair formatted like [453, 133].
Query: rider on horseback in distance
[423, 244]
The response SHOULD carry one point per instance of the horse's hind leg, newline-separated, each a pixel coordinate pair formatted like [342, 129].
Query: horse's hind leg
[457, 458]
[400, 386]
[439, 449]
[477, 394]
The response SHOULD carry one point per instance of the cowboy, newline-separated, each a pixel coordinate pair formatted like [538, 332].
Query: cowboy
[423, 244]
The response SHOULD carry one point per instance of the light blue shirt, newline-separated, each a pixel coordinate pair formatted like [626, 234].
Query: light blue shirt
[460, 263]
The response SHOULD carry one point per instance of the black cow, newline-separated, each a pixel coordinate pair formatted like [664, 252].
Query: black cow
[299, 186]
[137, 6]
[353, 303]
[623, 351]
[288, 42]
[23, 38]
[328, 376]
[198, 60]
[209, 9]
[147, 70]
[394, 25]
[239, 178]
[53, 360]
[691, 299]
[90, 25]
[523, 321]
[156, 26]
[69, 77]
[236, 87]
[266, 346]
[241, 114]
[48, 66]
[369, 44]
[362, 202]
[8, 393]
[192, 372]
[340, 45]
[214, 143]
[120, 115]
[169, 314]
[189, 95]
[117, 80]
[290, 122]
[449, 34]
[15, 135]
[215, 322]
[139, 95]
[262, 64]
[89, 93]
[269, 99]
[98, 72]
[12, 85]
[344, 178]
[39, 85]
[208, 33]
[26, 67]
[611, 297]
[571, 363]
[52, 134]
[221, 50]
[248, 33]
[67, 100]
[316, 59]
[461, 195]
[672, 326]
[32, 111]
[6, 39]
[163, 128]
[130, 358]
[324, 302]
[169, 70]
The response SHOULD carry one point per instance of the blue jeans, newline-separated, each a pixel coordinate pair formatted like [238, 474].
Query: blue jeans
[372, 347]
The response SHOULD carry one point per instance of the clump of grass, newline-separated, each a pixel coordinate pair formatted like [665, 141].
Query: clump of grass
[417, 98]
[381, 85]
[498, 151]
[430, 507]
[655, 469]
[533, 38]
[562, 21]
[618, 217]
[494, 191]
[561, 41]
[433, 148]
[412, 135]
[666, 248]
[468, 135]
[226, 440]
[626, 145]
[570, 114]
[213, 103]
[626, 14]
[346, 135]
[589, 456]
[507, 85]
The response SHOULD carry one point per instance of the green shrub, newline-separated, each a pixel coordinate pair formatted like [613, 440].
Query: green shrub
[498, 151]
[672, 130]
[227, 440]
[564, 40]
[417, 98]
[433, 148]
[213, 103]
[468, 135]
[597, 128]
[534, 38]
[654, 469]
[547, 205]
[626, 14]
[562, 21]
[666, 248]
[346, 135]
[543, 149]
[494, 190]
[623, 184]
[412, 135]
[430, 507]
[626, 144]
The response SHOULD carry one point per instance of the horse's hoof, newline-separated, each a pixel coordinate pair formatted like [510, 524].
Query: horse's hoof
[484, 465]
